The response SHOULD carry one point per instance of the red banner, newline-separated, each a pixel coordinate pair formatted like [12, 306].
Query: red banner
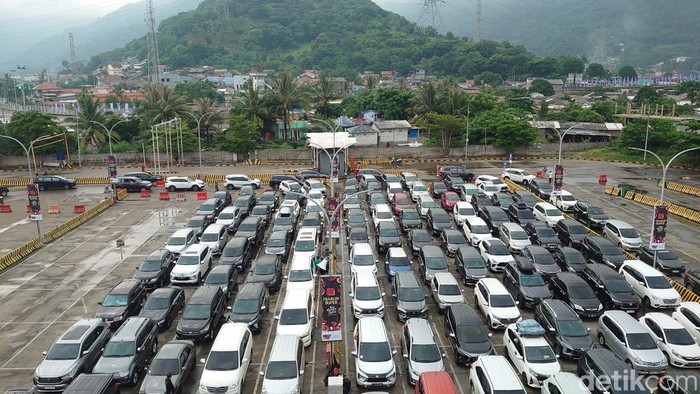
[558, 179]
[331, 291]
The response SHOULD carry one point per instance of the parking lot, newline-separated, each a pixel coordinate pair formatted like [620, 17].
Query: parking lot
[45, 294]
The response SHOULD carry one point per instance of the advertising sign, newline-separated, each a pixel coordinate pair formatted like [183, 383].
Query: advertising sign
[334, 170]
[331, 290]
[658, 228]
[34, 205]
[112, 166]
[558, 179]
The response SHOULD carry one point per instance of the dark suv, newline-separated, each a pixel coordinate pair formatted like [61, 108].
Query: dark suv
[494, 217]
[250, 306]
[570, 232]
[602, 251]
[520, 213]
[541, 234]
[563, 329]
[577, 293]
[590, 214]
[202, 313]
[541, 188]
[542, 260]
[123, 301]
[237, 252]
[275, 180]
[387, 236]
[524, 283]
[612, 288]
[600, 366]
[251, 228]
[467, 334]
[438, 220]
[155, 270]
[408, 219]
[525, 197]
[569, 259]
[470, 265]
[131, 184]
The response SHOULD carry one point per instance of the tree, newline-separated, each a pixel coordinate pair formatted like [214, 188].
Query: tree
[443, 128]
[89, 115]
[191, 92]
[162, 104]
[322, 94]
[285, 96]
[210, 115]
[427, 99]
[519, 100]
[692, 89]
[27, 126]
[627, 72]
[542, 87]
[596, 70]
[252, 103]
[606, 108]
[241, 137]
[489, 78]
[502, 129]
[662, 134]
[646, 95]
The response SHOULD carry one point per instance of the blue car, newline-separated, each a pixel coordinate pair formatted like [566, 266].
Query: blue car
[396, 261]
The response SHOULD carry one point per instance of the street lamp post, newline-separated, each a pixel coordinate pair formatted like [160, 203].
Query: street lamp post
[664, 168]
[199, 136]
[561, 139]
[29, 168]
[646, 140]
[109, 131]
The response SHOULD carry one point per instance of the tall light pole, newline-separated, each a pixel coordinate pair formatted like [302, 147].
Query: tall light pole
[466, 141]
[664, 168]
[199, 136]
[561, 138]
[646, 139]
[109, 131]
[29, 168]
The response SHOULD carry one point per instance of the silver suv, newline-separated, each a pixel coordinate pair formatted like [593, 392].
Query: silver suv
[236, 181]
[75, 352]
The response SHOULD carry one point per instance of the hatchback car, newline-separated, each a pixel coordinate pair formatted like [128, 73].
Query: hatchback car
[461, 211]
[399, 202]
[449, 200]
[396, 261]
[177, 357]
[437, 188]
[163, 305]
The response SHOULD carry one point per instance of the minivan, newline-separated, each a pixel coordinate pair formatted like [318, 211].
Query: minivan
[193, 264]
[202, 313]
[600, 366]
[128, 351]
[632, 343]
[366, 295]
[466, 333]
[215, 236]
[284, 371]
[431, 260]
[93, 383]
[374, 362]
[300, 276]
[419, 349]
[250, 306]
[228, 360]
[650, 285]
[623, 234]
[362, 258]
[237, 252]
[297, 316]
[470, 265]
[514, 237]
[493, 374]
[409, 295]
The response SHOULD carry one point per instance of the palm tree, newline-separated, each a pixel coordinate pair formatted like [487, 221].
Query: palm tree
[208, 111]
[427, 99]
[252, 103]
[90, 118]
[285, 95]
[455, 102]
[162, 104]
[371, 82]
[323, 93]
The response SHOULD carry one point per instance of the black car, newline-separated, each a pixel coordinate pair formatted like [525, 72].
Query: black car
[352, 186]
[212, 207]
[267, 269]
[438, 220]
[357, 235]
[306, 174]
[285, 221]
[224, 196]
[252, 228]
[590, 214]
[437, 188]
[145, 176]
[563, 329]
[155, 270]
[46, 182]
[602, 251]
[453, 182]
[599, 366]
[541, 234]
[470, 265]
[313, 220]
[408, 219]
[369, 171]
[163, 306]
[577, 293]
[417, 238]
[3, 191]
[525, 197]
[524, 283]
[263, 212]
[541, 188]
[467, 334]
[275, 180]
[245, 204]
[570, 232]
[451, 240]
[278, 243]
[666, 261]
[237, 252]
[225, 276]
[387, 236]
[199, 223]
[612, 288]
[355, 218]
[480, 200]
[250, 306]
[569, 259]
[519, 213]
[269, 198]
[386, 179]
[123, 301]
[131, 184]
[542, 260]
[201, 315]
[502, 200]
[494, 217]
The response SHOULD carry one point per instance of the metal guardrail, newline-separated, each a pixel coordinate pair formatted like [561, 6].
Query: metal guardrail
[681, 188]
[684, 212]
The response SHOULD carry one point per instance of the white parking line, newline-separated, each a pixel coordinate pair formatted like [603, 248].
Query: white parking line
[17, 223]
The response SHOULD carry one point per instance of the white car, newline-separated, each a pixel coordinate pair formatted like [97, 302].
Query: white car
[424, 204]
[688, 314]
[315, 197]
[293, 205]
[393, 188]
[517, 175]
[446, 290]
[419, 349]
[366, 295]
[463, 210]
[565, 201]
[228, 217]
[496, 303]
[514, 236]
[222, 370]
[174, 183]
[314, 184]
[291, 186]
[297, 316]
[382, 213]
[492, 180]
[300, 276]
[418, 189]
[180, 240]
[467, 190]
[235, 181]
[215, 237]
[373, 354]
[674, 340]
[495, 253]
[475, 229]
[650, 285]
[530, 352]
[193, 264]
[362, 259]
[488, 189]
[564, 382]
[548, 213]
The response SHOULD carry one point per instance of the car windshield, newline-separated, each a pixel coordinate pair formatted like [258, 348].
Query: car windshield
[658, 282]
[618, 286]
[161, 367]
[305, 246]
[546, 232]
[552, 212]
[265, 269]
[116, 300]
[384, 215]
[525, 214]
[209, 237]
[402, 201]
[232, 251]
[295, 187]
[425, 353]
[439, 186]
[428, 204]
[502, 301]
[63, 351]
[499, 250]
[465, 211]
[679, 336]
[293, 317]
[575, 259]
[150, 266]
[411, 294]
[196, 312]
[577, 230]
[420, 236]
[641, 341]
[244, 306]
[367, 293]
[352, 200]
[410, 178]
[217, 278]
[471, 334]
[629, 233]
[480, 229]
[490, 188]
[374, 351]
[275, 242]
[539, 354]
[373, 185]
[356, 218]
[419, 188]
[375, 199]
[358, 235]
[410, 215]
[259, 210]
[222, 361]
[241, 202]
[188, 260]
[388, 231]
[456, 181]
[156, 303]
[363, 259]
[119, 349]
[456, 239]
[452, 197]
[206, 208]
[449, 290]
[436, 263]
[666, 255]
[518, 235]
[531, 280]
[572, 328]
[195, 222]
[567, 198]
[582, 291]
[543, 258]
[475, 263]
[528, 198]
[300, 275]
[248, 226]
[401, 261]
[312, 208]
[395, 190]
[177, 241]
[225, 216]
[284, 221]
[281, 370]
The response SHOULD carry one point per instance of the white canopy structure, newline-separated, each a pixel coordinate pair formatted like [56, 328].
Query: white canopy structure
[330, 141]
[334, 146]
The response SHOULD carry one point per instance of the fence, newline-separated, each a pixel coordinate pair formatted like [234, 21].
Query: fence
[679, 210]
[687, 189]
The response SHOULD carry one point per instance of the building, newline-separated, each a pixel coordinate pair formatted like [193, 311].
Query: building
[391, 131]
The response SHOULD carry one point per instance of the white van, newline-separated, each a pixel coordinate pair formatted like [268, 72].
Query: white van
[374, 359]
[382, 213]
[493, 374]
[548, 213]
[297, 316]
[306, 244]
[180, 240]
[300, 276]
[284, 372]
[193, 264]
[650, 285]
[215, 236]
[367, 297]
[228, 360]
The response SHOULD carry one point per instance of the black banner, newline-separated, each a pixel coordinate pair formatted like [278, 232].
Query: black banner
[331, 291]
[34, 203]
[658, 230]
[112, 166]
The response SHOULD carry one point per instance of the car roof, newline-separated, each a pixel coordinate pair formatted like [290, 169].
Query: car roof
[224, 268]
[643, 268]
[607, 360]
[285, 348]
[373, 329]
[570, 278]
[361, 248]
[496, 367]
[250, 290]
[204, 294]
[214, 228]
[397, 252]
[475, 220]
[125, 286]
[193, 249]
[182, 232]
[546, 205]
[172, 349]
[512, 226]
[494, 285]
[432, 250]
[157, 254]
[603, 271]
[365, 278]
[297, 298]
[560, 309]
[445, 278]
[228, 337]
[663, 320]
[451, 231]
[620, 223]
[464, 314]
[79, 330]
[420, 331]
[163, 292]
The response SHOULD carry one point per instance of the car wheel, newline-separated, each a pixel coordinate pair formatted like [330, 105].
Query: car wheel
[171, 188]
[3, 193]
[601, 339]
[66, 187]
[489, 322]
[524, 378]
[135, 377]
[195, 188]
[154, 348]
[647, 303]
[168, 322]
[42, 187]
[464, 280]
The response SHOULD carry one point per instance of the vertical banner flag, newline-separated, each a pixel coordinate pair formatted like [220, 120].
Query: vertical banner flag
[331, 290]
[112, 166]
[334, 170]
[658, 228]
[34, 206]
[558, 179]
[334, 225]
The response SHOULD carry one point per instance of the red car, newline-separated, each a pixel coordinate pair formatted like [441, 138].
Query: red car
[449, 200]
[399, 202]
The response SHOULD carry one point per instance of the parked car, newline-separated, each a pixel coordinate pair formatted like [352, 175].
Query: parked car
[497, 305]
[420, 349]
[175, 183]
[532, 356]
[200, 318]
[445, 290]
[407, 179]
[211, 207]
[367, 296]
[124, 300]
[495, 253]
[252, 228]
[276, 180]
[569, 259]
[438, 220]
[590, 214]
[623, 234]
[565, 201]
[396, 261]
[437, 188]
[461, 211]
[358, 235]
[563, 329]
[245, 204]
[666, 261]
[399, 202]
[451, 240]
[650, 285]
[198, 224]
[577, 293]
[306, 174]
[250, 306]
[519, 213]
[176, 357]
[408, 219]
[224, 196]
[424, 204]
[541, 188]
[494, 218]
[480, 200]
[570, 232]
[691, 280]
[418, 189]
[449, 200]
[278, 243]
[130, 184]
[228, 360]
[225, 276]
[454, 181]
[145, 176]
[267, 269]
[236, 181]
[417, 238]
[291, 186]
[163, 306]
[46, 182]
[542, 260]
[466, 333]
[514, 236]
[525, 197]
[155, 269]
[525, 284]
[612, 289]
[602, 251]
[387, 236]
[431, 260]
[192, 265]
[674, 340]
[262, 211]
[547, 213]
[502, 200]
[542, 235]
[517, 175]
[470, 265]
[237, 252]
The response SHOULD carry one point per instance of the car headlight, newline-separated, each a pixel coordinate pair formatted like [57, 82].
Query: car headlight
[675, 353]
[118, 318]
[636, 359]
[203, 387]
[578, 307]
[391, 374]
[655, 298]
[204, 329]
[600, 307]
[233, 386]
[123, 374]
